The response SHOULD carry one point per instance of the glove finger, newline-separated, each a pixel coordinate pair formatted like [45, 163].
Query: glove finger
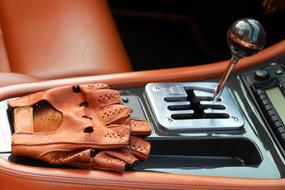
[94, 86]
[140, 127]
[122, 154]
[113, 135]
[114, 113]
[108, 160]
[84, 159]
[59, 157]
[103, 97]
[114, 160]
[139, 147]
[103, 161]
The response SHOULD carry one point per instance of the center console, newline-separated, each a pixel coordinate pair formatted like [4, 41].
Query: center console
[192, 134]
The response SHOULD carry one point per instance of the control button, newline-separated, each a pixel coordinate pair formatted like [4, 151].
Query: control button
[274, 117]
[261, 74]
[278, 124]
[265, 102]
[268, 107]
[271, 113]
[283, 136]
[279, 72]
[281, 129]
[262, 96]
[259, 91]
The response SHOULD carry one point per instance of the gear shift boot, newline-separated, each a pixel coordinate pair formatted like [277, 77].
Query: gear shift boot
[190, 106]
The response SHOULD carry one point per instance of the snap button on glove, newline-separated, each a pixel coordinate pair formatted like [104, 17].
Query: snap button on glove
[82, 125]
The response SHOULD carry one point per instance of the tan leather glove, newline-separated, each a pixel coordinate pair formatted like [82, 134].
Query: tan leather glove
[82, 125]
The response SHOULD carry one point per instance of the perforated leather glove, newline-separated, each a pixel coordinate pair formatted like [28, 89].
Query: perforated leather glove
[82, 125]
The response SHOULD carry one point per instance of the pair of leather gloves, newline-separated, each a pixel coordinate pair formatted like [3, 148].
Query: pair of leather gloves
[83, 126]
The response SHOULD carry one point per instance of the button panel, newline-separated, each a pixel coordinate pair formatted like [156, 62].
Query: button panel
[271, 115]
[262, 74]
[258, 82]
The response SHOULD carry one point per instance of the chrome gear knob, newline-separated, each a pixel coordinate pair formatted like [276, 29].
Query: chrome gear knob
[245, 37]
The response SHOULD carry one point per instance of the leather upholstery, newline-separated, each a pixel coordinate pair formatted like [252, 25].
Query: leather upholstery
[59, 38]
[17, 177]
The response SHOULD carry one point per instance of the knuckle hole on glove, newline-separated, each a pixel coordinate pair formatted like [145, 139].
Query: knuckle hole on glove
[92, 153]
[88, 129]
[76, 88]
[84, 104]
[87, 117]
[90, 85]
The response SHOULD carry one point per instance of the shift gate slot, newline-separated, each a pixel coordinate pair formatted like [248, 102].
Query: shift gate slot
[179, 106]
[212, 105]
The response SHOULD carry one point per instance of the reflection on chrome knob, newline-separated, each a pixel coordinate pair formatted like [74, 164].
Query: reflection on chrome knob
[246, 37]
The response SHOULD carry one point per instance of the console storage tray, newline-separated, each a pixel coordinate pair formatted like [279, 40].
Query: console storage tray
[201, 153]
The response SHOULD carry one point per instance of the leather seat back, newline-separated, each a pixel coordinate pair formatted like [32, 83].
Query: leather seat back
[60, 38]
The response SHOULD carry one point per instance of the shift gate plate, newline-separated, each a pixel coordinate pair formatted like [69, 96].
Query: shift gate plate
[190, 106]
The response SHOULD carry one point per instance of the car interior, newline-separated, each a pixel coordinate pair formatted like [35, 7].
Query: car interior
[207, 76]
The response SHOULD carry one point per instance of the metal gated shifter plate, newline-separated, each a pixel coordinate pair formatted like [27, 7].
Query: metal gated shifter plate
[190, 106]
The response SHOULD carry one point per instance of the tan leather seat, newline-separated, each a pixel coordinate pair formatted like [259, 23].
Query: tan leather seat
[59, 38]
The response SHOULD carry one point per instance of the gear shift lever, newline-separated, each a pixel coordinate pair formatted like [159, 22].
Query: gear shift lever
[245, 38]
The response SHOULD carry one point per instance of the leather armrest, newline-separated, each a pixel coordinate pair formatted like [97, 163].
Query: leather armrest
[14, 176]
